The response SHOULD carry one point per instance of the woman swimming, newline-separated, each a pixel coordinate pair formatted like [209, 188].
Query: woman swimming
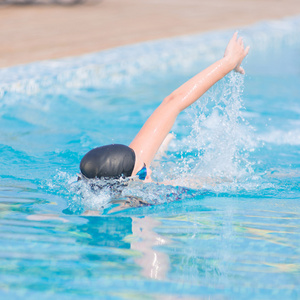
[114, 161]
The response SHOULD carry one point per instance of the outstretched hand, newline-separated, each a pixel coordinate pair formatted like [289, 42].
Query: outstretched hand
[235, 52]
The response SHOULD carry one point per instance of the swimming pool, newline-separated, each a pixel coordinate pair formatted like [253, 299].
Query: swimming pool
[228, 227]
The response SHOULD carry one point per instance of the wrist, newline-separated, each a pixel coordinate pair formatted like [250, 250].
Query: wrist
[230, 64]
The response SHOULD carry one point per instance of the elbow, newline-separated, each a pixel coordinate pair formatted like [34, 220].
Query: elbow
[169, 99]
[172, 101]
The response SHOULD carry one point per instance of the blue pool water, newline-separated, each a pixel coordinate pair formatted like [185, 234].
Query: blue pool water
[226, 224]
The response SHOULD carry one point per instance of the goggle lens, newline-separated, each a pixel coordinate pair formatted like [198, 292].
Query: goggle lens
[142, 174]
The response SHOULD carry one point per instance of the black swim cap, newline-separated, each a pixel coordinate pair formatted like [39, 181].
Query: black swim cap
[108, 161]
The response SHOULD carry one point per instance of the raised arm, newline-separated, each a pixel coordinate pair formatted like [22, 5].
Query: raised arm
[152, 134]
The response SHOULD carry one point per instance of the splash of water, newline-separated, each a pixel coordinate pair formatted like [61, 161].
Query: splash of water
[217, 154]
[221, 139]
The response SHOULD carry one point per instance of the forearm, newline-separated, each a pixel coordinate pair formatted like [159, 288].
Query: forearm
[158, 125]
[154, 131]
[194, 88]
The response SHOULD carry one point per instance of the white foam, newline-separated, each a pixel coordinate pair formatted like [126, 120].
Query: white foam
[280, 137]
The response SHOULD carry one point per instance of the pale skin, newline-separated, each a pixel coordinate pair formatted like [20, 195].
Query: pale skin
[154, 131]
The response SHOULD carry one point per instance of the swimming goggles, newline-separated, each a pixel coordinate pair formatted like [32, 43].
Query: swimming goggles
[142, 174]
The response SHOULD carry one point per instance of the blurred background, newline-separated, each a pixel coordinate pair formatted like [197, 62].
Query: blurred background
[32, 30]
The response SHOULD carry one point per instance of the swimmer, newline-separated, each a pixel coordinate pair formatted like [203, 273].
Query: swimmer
[115, 161]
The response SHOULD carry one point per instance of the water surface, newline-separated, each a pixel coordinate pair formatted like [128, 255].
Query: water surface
[226, 223]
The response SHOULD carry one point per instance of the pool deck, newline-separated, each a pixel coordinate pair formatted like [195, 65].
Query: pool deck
[39, 32]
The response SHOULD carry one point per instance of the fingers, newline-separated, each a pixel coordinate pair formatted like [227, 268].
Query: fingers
[240, 41]
[234, 37]
[239, 69]
[237, 51]
[247, 50]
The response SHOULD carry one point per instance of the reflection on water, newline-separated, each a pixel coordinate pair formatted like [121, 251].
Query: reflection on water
[197, 247]
[155, 264]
